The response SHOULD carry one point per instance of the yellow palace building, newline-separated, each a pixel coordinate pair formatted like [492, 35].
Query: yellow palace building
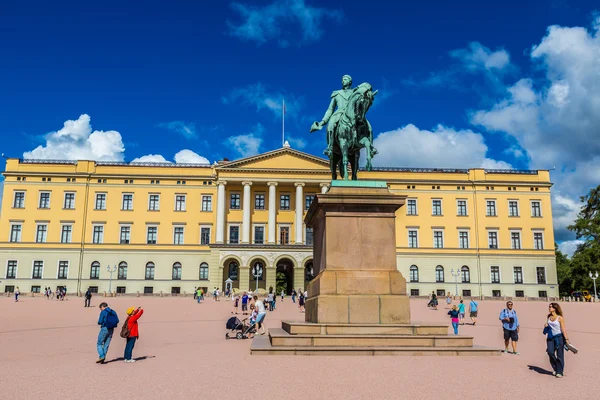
[152, 228]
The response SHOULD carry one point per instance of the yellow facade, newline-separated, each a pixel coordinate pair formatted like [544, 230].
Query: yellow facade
[170, 228]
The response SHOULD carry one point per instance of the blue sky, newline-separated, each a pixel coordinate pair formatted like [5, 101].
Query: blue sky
[461, 84]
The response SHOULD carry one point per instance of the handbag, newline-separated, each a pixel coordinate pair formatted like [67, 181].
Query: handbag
[570, 347]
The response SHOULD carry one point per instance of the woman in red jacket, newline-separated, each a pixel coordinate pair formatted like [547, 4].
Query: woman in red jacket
[132, 323]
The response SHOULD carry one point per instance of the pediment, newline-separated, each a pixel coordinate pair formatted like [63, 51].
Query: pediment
[281, 159]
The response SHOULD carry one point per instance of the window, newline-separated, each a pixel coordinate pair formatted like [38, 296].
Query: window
[518, 274]
[438, 239]
[206, 203]
[154, 202]
[44, 200]
[413, 240]
[538, 241]
[19, 200]
[41, 233]
[151, 234]
[36, 289]
[466, 293]
[234, 234]
[542, 293]
[439, 274]
[11, 269]
[513, 208]
[180, 202]
[411, 207]
[63, 269]
[436, 207]
[496, 293]
[122, 271]
[414, 292]
[515, 240]
[284, 202]
[38, 270]
[519, 293]
[148, 290]
[490, 208]
[440, 292]
[205, 235]
[465, 274]
[127, 202]
[69, 201]
[493, 240]
[284, 235]
[176, 271]
[66, 234]
[234, 201]
[204, 272]
[233, 270]
[414, 273]
[308, 201]
[98, 235]
[178, 235]
[15, 233]
[259, 201]
[461, 208]
[309, 234]
[309, 272]
[536, 209]
[149, 271]
[463, 239]
[175, 290]
[93, 289]
[125, 234]
[541, 274]
[100, 201]
[259, 234]
[495, 271]
[121, 290]
[95, 270]
[9, 289]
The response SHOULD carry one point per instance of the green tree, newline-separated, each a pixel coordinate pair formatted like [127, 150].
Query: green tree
[564, 272]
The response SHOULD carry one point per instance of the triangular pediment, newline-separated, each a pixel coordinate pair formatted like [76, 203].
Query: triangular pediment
[280, 159]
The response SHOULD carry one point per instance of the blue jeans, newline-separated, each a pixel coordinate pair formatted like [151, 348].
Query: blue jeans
[104, 338]
[129, 347]
[555, 348]
[198, 298]
[293, 299]
[455, 326]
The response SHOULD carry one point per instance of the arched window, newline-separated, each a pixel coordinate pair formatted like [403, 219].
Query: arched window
[465, 274]
[122, 273]
[95, 270]
[150, 271]
[309, 271]
[233, 270]
[177, 271]
[204, 272]
[439, 274]
[258, 265]
[414, 273]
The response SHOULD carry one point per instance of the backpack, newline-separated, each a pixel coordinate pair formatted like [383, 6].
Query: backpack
[125, 332]
[112, 320]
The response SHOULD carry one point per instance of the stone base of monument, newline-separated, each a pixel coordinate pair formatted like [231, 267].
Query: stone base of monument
[357, 302]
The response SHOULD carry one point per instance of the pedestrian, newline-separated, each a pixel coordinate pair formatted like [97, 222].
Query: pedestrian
[473, 306]
[245, 303]
[433, 303]
[262, 312]
[270, 299]
[448, 300]
[454, 313]
[195, 293]
[294, 296]
[557, 338]
[301, 301]
[510, 326]
[88, 297]
[108, 321]
[17, 293]
[198, 295]
[202, 294]
[50, 294]
[274, 303]
[133, 314]
[461, 312]
[282, 294]
[236, 302]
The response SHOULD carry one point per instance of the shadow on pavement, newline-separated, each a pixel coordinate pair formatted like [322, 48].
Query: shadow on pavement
[123, 359]
[539, 370]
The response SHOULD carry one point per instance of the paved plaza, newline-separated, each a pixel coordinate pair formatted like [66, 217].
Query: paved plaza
[47, 349]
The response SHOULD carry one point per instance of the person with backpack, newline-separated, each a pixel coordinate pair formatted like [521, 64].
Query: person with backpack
[88, 298]
[108, 321]
[130, 331]
[473, 309]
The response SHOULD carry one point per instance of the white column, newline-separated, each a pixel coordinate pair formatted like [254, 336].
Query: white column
[299, 212]
[324, 188]
[272, 211]
[246, 213]
[220, 211]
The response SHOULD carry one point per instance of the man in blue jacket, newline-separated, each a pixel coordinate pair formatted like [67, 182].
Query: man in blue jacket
[108, 321]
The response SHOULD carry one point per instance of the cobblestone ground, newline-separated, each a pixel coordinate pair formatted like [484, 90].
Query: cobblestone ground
[47, 350]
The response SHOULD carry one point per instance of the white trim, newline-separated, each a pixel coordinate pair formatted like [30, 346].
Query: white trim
[175, 226]
[157, 204]
[61, 233]
[96, 200]
[229, 225]
[16, 270]
[15, 197]
[416, 206]
[433, 231]
[265, 196]
[497, 238]
[184, 202]
[202, 202]
[209, 234]
[284, 225]
[259, 224]
[123, 194]
[466, 207]
[37, 225]
[148, 226]
[495, 208]
[232, 192]
[531, 208]
[101, 236]
[281, 194]
[408, 238]
[533, 232]
[43, 268]
[499, 274]
[522, 275]
[441, 214]
[510, 232]
[545, 275]
[468, 238]
[65, 193]
[40, 199]
[518, 208]
[121, 226]
[58, 269]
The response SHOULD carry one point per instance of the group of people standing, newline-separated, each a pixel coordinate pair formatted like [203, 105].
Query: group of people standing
[108, 321]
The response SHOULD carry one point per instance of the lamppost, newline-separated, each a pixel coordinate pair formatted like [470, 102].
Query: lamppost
[257, 273]
[110, 271]
[594, 277]
[455, 275]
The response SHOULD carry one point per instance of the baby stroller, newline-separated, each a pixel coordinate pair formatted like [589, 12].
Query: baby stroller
[240, 328]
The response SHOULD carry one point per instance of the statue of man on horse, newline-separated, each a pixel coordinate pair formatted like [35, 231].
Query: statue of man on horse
[348, 130]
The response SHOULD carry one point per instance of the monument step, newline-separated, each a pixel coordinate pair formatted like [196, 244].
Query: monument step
[297, 328]
[261, 345]
[280, 337]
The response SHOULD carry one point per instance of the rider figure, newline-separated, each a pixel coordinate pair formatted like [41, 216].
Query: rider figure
[339, 99]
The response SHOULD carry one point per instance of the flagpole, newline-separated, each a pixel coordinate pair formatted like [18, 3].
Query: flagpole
[283, 124]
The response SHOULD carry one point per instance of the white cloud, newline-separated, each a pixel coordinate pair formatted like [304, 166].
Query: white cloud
[185, 129]
[442, 147]
[157, 158]
[246, 145]
[568, 247]
[284, 21]
[477, 57]
[189, 157]
[77, 141]
[297, 143]
[263, 98]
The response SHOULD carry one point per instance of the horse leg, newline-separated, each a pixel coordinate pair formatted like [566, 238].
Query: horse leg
[355, 166]
[369, 148]
[333, 161]
[344, 150]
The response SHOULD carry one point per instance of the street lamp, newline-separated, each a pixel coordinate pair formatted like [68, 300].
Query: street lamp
[110, 271]
[455, 275]
[257, 273]
[594, 277]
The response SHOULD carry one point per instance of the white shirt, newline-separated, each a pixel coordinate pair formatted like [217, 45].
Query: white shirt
[260, 306]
